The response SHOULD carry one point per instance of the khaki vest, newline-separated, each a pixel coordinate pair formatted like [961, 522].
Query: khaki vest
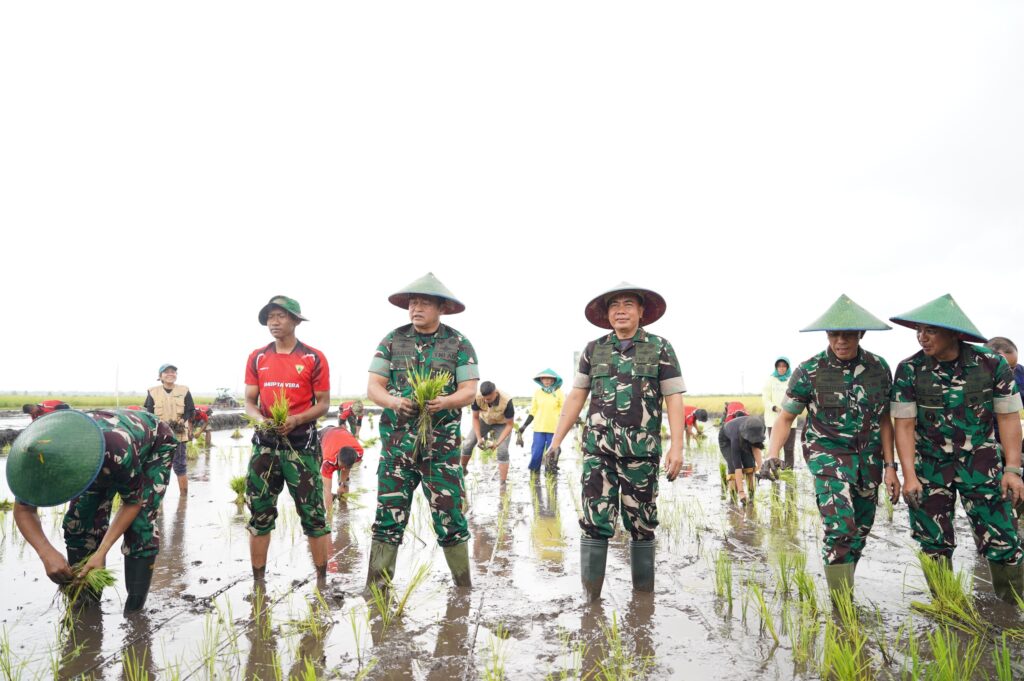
[169, 406]
[494, 414]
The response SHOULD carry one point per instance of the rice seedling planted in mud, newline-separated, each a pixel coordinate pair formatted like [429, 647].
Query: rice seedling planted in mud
[495, 669]
[723, 577]
[370, 441]
[952, 663]
[767, 621]
[844, 657]
[951, 603]
[1002, 661]
[426, 386]
[238, 487]
[388, 606]
[619, 664]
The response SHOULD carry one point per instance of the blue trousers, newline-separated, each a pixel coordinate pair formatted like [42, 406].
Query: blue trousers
[541, 441]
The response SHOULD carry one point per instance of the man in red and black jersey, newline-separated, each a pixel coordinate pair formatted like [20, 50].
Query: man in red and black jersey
[289, 453]
[43, 408]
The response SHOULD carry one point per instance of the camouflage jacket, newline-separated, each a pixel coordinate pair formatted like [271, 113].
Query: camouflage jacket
[135, 441]
[845, 401]
[444, 350]
[954, 402]
[627, 386]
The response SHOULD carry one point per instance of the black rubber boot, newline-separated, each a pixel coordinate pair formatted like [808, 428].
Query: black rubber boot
[593, 557]
[383, 557]
[457, 558]
[138, 573]
[641, 560]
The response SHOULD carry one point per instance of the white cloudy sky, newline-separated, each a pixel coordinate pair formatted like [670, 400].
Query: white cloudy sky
[166, 168]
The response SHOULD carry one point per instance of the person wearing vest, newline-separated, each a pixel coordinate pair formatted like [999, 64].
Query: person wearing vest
[946, 400]
[289, 454]
[87, 459]
[628, 374]
[848, 438]
[494, 420]
[545, 407]
[424, 345]
[773, 394]
[172, 403]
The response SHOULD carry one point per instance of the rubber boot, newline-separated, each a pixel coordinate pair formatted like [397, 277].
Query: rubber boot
[1007, 580]
[641, 561]
[382, 564]
[840, 577]
[593, 556]
[138, 573]
[457, 558]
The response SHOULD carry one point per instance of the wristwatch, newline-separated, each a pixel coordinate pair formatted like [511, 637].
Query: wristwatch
[893, 465]
[1014, 469]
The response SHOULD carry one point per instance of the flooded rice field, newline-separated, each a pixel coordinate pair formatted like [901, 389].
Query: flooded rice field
[739, 593]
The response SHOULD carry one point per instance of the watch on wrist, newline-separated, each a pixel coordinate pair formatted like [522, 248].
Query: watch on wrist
[891, 464]
[1014, 469]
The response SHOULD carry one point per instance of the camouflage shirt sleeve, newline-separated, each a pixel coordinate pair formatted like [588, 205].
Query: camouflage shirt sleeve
[122, 466]
[670, 375]
[582, 378]
[799, 392]
[466, 367]
[903, 397]
[1005, 392]
[381, 362]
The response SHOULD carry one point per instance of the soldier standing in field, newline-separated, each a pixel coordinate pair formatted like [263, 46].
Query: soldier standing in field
[946, 400]
[424, 344]
[849, 437]
[628, 373]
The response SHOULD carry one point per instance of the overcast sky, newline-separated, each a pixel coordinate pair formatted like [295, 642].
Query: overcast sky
[167, 168]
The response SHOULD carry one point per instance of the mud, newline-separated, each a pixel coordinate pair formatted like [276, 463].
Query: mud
[525, 618]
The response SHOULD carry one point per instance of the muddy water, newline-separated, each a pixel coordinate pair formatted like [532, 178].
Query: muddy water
[525, 614]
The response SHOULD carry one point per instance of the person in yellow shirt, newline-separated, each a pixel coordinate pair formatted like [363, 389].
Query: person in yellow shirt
[544, 408]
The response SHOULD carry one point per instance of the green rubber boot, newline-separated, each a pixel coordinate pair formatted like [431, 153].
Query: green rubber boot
[840, 577]
[593, 556]
[383, 557]
[138, 574]
[457, 558]
[641, 560]
[1007, 580]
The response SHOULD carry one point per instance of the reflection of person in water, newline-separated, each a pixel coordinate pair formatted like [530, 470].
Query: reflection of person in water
[452, 635]
[262, 661]
[546, 530]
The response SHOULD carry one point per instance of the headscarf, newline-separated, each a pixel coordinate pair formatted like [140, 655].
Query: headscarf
[548, 373]
[789, 369]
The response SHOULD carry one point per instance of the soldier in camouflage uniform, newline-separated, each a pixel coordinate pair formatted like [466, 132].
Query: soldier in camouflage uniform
[87, 459]
[627, 374]
[946, 400]
[428, 344]
[849, 434]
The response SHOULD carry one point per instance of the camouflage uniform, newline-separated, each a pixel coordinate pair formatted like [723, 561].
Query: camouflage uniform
[846, 401]
[954, 404]
[271, 466]
[404, 463]
[622, 436]
[136, 465]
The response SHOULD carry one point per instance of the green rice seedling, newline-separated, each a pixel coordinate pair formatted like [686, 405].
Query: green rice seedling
[887, 506]
[767, 621]
[619, 664]
[6, 505]
[94, 580]
[1002, 662]
[236, 434]
[952, 663]
[786, 475]
[10, 666]
[388, 606]
[365, 671]
[913, 665]
[238, 487]
[495, 663]
[806, 588]
[951, 603]
[370, 441]
[806, 634]
[426, 386]
[723, 577]
[502, 517]
[843, 658]
[192, 450]
[134, 667]
[786, 566]
[723, 472]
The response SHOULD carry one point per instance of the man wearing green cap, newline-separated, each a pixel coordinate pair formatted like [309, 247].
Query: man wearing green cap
[87, 459]
[849, 435]
[292, 372]
[425, 345]
[946, 400]
[628, 374]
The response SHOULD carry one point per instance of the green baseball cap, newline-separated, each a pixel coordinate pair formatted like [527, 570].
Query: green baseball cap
[944, 313]
[427, 285]
[289, 305]
[846, 315]
[55, 458]
[653, 303]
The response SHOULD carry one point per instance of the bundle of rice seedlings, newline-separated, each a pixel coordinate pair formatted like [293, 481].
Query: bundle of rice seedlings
[278, 414]
[192, 450]
[238, 487]
[95, 581]
[6, 505]
[951, 603]
[237, 434]
[370, 441]
[426, 386]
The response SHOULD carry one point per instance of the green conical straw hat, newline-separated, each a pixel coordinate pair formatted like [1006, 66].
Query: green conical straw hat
[428, 285]
[55, 458]
[944, 313]
[846, 315]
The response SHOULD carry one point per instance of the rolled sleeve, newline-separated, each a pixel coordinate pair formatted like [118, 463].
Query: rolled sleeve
[581, 381]
[904, 410]
[467, 372]
[673, 386]
[380, 366]
[793, 407]
[1007, 405]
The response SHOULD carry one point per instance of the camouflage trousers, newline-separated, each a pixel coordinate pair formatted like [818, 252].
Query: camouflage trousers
[403, 466]
[846, 490]
[269, 470]
[611, 482]
[975, 477]
[88, 515]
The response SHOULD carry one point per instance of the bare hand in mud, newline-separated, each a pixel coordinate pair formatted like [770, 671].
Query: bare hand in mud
[57, 567]
[437, 404]
[913, 493]
[673, 464]
[290, 424]
[406, 408]
[892, 485]
[1013, 488]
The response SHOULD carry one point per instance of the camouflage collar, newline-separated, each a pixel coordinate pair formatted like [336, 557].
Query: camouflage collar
[443, 331]
[967, 357]
[639, 337]
[831, 358]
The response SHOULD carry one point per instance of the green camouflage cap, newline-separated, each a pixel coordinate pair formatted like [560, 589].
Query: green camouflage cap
[944, 313]
[548, 373]
[846, 315]
[55, 458]
[289, 305]
[427, 285]
[654, 305]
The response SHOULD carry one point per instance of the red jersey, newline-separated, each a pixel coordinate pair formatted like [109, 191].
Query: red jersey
[688, 414]
[731, 409]
[300, 374]
[332, 440]
[202, 413]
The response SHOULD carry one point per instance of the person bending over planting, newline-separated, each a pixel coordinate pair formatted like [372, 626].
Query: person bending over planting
[341, 451]
[87, 459]
[287, 388]
[493, 421]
